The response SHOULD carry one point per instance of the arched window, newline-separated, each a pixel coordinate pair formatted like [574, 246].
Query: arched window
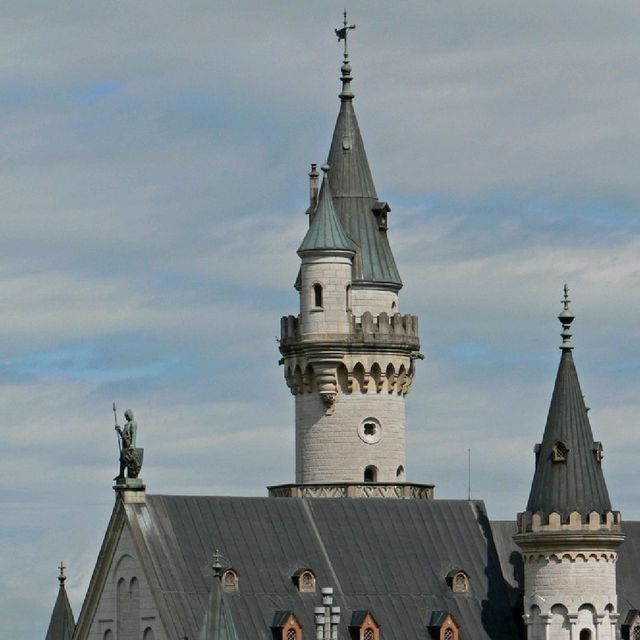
[230, 580]
[458, 581]
[636, 632]
[148, 634]
[305, 580]
[317, 295]
[585, 634]
[108, 635]
[400, 474]
[368, 634]
[448, 633]
[559, 452]
[371, 474]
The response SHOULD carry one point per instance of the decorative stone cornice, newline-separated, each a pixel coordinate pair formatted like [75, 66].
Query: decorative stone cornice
[402, 490]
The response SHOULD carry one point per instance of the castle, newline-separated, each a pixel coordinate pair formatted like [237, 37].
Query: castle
[351, 549]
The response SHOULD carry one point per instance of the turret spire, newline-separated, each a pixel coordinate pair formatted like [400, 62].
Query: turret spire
[566, 317]
[346, 78]
[62, 624]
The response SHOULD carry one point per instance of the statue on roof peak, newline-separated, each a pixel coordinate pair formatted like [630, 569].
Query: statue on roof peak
[130, 455]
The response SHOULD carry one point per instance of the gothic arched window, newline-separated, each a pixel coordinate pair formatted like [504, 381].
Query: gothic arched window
[230, 580]
[636, 632]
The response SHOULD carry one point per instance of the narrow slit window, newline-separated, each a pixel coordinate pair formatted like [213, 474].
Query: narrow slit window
[317, 295]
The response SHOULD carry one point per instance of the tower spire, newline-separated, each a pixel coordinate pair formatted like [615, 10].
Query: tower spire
[566, 317]
[346, 78]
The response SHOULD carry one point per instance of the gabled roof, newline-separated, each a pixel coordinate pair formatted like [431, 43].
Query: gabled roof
[577, 483]
[384, 556]
[325, 231]
[62, 624]
[354, 197]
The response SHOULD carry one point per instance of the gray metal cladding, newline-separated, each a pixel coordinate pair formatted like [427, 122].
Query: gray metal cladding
[387, 556]
[577, 483]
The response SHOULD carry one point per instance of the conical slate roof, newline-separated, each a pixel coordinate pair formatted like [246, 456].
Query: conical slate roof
[325, 230]
[62, 624]
[218, 622]
[354, 197]
[574, 482]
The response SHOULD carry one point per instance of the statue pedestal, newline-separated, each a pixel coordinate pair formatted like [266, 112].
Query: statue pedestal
[130, 490]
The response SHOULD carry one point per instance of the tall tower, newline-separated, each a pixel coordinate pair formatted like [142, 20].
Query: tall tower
[349, 355]
[569, 534]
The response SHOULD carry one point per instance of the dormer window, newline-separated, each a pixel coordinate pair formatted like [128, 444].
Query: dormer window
[317, 296]
[598, 452]
[230, 580]
[458, 581]
[305, 580]
[364, 626]
[559, 452]
[443, 626]
[381, 210]
[286, 626]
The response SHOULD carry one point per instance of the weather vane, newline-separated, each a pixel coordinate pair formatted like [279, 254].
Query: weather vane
[343, 31]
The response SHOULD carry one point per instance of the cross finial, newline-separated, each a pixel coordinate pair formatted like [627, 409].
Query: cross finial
[61, 576]
[217, 567]
[566, 317]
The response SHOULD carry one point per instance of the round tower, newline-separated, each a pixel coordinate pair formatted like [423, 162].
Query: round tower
[349, 356]
[569, 533]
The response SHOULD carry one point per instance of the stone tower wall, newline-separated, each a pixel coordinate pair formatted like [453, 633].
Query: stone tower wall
[374, 300]
[570, 593]
[333, 274]
[333, 447]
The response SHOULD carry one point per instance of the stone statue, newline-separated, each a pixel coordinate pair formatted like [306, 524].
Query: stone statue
[130, 455]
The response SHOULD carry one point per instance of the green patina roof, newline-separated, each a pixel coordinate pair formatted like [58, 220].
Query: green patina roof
[62, 624]
[325, 231]
[218, 621]
[354, 197]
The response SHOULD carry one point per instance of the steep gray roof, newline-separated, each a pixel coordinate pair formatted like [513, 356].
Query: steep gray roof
[325, 230]
[62, 624]
[354, 197]
[576, 484]
[389, 557]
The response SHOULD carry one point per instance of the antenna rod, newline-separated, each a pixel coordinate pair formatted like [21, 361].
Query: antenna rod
[469, 474]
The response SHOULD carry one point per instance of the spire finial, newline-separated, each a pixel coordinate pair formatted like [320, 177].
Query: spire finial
[566, 317]
[346, 77]
[217, 567]
[61, 576]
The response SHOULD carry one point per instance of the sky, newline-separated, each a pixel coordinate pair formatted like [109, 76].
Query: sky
[153, 172]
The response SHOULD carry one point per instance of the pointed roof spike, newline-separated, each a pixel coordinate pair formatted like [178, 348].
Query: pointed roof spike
[62, 624]
[354, 194]
[325, 231]
[218, 621]
[346, 77]
[574, 481]
[566, 317]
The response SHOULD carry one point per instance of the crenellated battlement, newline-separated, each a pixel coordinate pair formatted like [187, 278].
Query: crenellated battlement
[540, 522]
[383, 328]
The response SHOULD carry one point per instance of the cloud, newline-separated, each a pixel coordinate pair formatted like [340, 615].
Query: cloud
[154, 184]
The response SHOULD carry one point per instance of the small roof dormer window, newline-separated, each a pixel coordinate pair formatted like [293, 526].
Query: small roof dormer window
[305, 580]
[286, 626]
[230, 580]
[559, 452]
[458, 581]
[443, 626]
[364, 626]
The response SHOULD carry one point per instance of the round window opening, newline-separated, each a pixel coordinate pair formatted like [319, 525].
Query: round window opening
[370, 430]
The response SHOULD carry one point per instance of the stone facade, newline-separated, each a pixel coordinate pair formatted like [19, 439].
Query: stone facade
[126, 609]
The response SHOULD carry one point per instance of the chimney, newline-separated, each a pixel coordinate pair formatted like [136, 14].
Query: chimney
[327, 617]
[314, 189]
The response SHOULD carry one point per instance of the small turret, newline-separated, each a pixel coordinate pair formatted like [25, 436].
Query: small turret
[62, 625]
[569, 533]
